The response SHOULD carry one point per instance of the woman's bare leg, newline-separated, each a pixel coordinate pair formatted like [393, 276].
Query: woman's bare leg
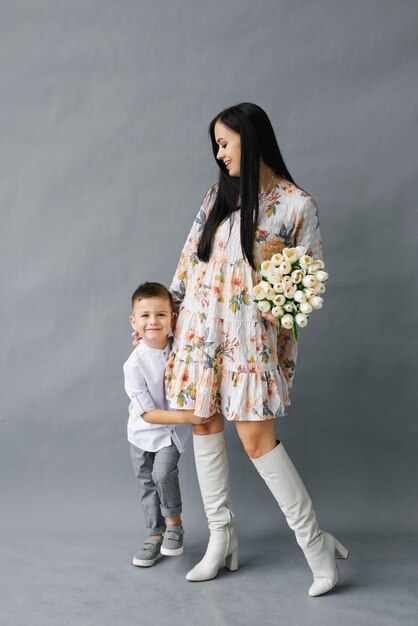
[258, 438]
[216, 425]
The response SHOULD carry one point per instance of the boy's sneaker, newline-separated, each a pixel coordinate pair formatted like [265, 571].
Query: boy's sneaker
[173, 541]
[148, 554]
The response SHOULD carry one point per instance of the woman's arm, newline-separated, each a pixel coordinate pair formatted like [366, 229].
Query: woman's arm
[188, 258]
[308, 235]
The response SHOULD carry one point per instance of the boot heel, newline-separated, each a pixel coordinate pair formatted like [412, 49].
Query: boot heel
[340, 551]
[231, 561]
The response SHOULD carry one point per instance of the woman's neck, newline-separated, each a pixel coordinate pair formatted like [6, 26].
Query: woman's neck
[267, 178]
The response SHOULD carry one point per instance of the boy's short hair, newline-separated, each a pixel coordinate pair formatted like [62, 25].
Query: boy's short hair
[152, 290]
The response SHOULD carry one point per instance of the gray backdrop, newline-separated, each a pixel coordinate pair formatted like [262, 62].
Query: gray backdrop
[105, 159]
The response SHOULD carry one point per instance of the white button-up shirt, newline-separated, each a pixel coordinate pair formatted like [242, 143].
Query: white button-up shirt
[144, 384]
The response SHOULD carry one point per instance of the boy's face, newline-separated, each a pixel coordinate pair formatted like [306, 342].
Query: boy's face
[153, 319]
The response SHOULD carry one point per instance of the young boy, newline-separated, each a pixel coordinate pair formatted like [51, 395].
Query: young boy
[155, 442]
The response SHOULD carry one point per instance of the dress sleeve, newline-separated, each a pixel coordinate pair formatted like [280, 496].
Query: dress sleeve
[188, 258]
[287, 351]
[308, 235]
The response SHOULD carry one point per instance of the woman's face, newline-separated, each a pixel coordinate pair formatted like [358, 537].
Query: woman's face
[229, 152]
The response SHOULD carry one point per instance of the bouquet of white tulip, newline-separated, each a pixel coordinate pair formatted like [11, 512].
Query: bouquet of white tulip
[291, 286]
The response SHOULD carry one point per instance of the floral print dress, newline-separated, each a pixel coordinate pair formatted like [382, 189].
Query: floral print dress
[226, 358]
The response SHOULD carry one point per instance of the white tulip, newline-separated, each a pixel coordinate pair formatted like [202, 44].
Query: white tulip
[319, 288]
[321, 276]
[301, 320]
[305, 261]
[305, 308]
[264, 306]
[290, 254]
[314, 267]
[267, 286]
[287, 282]
[276, 259]
[320, 264]
[299, 296]
[309, 281]
[316, 302]
[257, 291]
[277, 311]
[309, 293]
[287, 321]
[297, 276]
[290, 292]
[285, 267]
[266, 267]
[261, 290]
[289, 307]
[279, 300]
[270, 293]
[278, 287]
[274, 276]
[301, 251]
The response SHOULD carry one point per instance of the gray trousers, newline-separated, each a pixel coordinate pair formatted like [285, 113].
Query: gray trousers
[158, 477]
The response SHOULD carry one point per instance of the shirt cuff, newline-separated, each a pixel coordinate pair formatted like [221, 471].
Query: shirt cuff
[145, 405]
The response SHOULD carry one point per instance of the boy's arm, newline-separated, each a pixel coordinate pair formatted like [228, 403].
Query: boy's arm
[160, 416]
[137, 390]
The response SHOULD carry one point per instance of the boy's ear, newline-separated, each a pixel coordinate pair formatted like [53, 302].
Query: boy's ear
[132, 320]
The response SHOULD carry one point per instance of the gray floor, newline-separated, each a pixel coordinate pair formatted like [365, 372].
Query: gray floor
[86, 579]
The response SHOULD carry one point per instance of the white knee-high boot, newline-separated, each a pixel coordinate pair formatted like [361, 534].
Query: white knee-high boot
[319, 547]
[212, 473]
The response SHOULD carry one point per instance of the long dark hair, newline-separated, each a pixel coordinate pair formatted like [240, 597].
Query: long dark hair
[257, 140]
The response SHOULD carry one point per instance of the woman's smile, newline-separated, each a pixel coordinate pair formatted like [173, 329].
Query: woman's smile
[229, 148]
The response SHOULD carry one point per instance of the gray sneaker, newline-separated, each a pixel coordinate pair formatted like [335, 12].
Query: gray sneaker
[148, 554]
[173, 541]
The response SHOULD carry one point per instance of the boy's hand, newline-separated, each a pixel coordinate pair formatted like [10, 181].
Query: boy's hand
[191, 418]
[174, 317]
[136, 338]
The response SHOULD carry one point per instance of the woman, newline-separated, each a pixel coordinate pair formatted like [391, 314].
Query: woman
[227, 360]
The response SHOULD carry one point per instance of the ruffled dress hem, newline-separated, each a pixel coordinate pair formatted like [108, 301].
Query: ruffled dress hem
[238, 395]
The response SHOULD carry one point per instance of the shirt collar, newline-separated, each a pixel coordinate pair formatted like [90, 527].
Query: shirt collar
[164, 351]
